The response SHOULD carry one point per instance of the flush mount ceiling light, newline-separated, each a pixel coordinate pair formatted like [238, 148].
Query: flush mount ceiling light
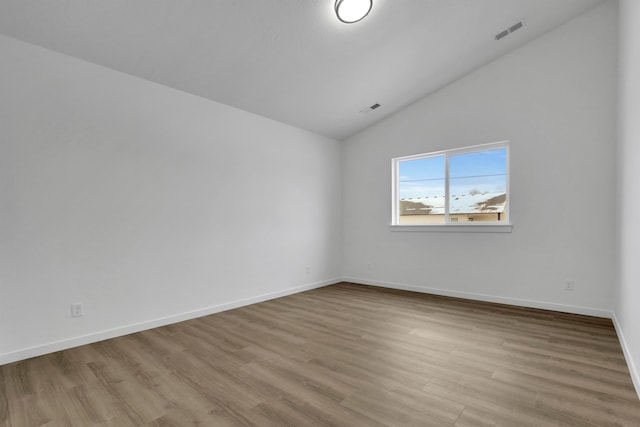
[350, 11]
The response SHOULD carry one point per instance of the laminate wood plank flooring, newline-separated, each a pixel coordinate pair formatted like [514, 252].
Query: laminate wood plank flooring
[342, 355]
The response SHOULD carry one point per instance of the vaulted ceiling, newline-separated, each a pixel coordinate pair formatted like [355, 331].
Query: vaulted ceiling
[289, 60]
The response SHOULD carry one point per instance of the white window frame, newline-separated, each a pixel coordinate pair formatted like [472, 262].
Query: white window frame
[483, 226]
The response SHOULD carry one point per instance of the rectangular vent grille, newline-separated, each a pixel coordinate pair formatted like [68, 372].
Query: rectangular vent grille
[515, 27]
[370, 108]
[503, 34]
[510, 30]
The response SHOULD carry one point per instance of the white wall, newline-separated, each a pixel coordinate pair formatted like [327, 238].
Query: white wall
[555, 99]
[627, 302]
[146, 204]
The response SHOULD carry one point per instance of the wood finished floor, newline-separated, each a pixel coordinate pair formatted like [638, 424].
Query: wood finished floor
[343, 355]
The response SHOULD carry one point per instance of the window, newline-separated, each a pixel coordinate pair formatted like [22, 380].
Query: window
[455, 186]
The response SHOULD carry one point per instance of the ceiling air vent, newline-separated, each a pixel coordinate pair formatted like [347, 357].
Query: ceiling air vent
[515, 27]
[370, 108]
[503, 34]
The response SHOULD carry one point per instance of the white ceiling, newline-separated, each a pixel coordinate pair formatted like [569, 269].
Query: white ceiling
[290, 60]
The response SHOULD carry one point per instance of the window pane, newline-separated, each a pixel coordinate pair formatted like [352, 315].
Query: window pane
[421, 190]
[478, 186]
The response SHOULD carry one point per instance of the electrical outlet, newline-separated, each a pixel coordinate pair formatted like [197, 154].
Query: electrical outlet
[307, 270]
[369, 266]
[569, 285]
[76, 310]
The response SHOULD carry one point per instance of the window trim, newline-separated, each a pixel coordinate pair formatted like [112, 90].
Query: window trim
[484, 226]
[491, 227]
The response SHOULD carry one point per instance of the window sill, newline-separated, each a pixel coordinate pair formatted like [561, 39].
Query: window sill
[455, 228]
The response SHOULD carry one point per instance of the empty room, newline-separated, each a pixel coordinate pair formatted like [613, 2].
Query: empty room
[319, 213]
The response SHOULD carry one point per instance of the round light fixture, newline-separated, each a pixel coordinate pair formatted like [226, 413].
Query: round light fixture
[350, 11]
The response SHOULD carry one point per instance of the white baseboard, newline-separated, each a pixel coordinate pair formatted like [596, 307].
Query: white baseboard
[51, 347]
[633, 370]
[487, 298]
